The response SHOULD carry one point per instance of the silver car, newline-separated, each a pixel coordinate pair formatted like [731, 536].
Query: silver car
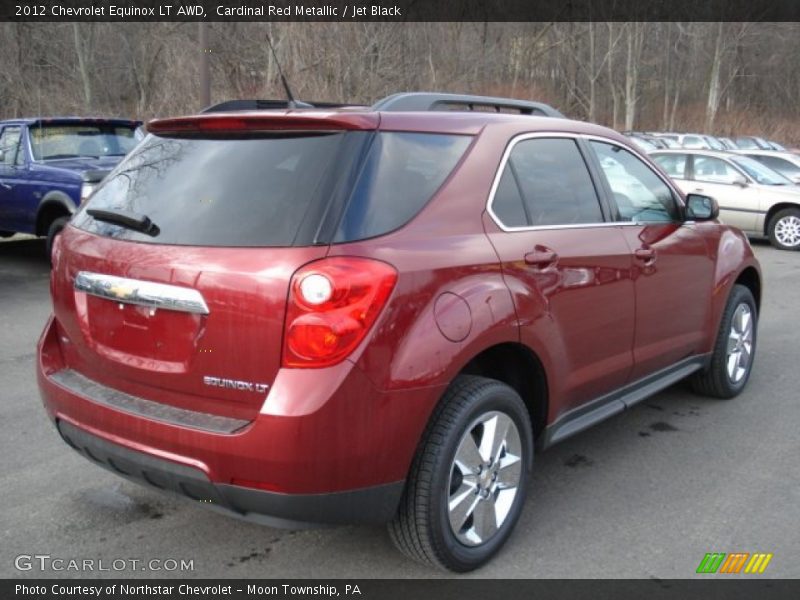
[751, 196]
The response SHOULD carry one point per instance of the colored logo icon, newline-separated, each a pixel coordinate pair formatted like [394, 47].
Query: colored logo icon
[734, 563]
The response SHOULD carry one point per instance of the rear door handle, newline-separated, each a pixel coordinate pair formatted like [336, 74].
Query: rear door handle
[541, 256]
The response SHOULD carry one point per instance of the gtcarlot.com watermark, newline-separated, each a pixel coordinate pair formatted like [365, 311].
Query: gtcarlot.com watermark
[47, 562]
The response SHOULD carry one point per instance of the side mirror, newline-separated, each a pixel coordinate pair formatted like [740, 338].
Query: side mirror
[701, 208]
[741, 181]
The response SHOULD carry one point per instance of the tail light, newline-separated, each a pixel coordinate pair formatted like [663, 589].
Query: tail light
[333, 303]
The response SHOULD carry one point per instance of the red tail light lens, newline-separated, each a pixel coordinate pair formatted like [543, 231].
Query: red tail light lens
[333, 303]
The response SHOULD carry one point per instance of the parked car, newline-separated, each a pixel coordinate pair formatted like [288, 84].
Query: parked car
[49, 166]
[751, 196]
[728, 143]
[751, 142]
[785, 163]
[644, 144]
[380, 314]
[669, 139]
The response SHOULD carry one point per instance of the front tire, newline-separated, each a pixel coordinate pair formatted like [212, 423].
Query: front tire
[468, 482]
[734, 350]
[784, 229]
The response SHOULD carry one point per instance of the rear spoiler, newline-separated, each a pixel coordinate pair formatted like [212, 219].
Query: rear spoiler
[258, 121]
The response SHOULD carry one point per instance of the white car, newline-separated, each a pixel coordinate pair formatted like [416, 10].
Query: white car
[751, 196]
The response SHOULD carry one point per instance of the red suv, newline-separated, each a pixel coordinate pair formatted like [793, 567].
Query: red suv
[376, 314]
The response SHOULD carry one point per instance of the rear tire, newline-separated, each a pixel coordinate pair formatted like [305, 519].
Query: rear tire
[6, 234]
[55, 228]
[784, 229]
[734, 350]
[454, 514]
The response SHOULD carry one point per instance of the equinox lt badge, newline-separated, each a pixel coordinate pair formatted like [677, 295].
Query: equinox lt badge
[235, 384]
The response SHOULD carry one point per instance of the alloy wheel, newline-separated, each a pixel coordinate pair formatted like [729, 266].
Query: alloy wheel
[484, 478]
[740, 343]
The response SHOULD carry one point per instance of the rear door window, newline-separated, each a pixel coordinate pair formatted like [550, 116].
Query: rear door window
[546, 182]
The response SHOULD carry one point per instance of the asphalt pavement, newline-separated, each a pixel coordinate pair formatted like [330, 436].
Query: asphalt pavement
[644, 495]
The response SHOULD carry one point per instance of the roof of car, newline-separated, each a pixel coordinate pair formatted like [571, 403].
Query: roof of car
[760, 152]
[703, 151]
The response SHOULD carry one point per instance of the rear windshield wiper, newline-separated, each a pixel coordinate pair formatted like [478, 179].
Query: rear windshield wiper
[125, 218]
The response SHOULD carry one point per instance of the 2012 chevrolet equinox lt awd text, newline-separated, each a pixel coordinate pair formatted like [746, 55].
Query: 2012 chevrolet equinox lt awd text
[376, 314]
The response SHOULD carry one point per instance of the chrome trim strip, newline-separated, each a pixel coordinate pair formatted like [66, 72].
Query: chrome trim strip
[573, 136]
[101, 394]
[142, 293]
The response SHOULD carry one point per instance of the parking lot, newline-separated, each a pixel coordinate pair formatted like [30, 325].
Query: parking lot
[645, 495]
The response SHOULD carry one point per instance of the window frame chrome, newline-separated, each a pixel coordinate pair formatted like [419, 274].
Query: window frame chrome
[677, 196]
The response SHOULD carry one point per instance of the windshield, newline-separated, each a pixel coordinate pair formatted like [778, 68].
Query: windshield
[55, 141]
[760, 173]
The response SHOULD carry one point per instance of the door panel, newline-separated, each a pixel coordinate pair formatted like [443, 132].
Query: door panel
[577, 309]
[673, 271]
[568, 270]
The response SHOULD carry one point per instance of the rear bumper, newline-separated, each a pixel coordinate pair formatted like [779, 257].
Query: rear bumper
[369, 505]
[326, 447]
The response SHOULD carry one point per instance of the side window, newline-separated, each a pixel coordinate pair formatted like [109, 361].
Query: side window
[673, 164]
[780, 165]
[9, 144]
[639, 193]
[714, 170]
[546, 182]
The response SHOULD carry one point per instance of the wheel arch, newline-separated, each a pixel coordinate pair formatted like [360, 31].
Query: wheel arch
[751, 279]
[773, 210]
[519, 367]
[55, 204]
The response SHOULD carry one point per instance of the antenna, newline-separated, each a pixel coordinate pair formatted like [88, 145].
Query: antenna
[292, 102]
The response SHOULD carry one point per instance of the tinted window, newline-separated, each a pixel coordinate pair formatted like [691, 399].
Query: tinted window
[546, 182]
[217, 192]
[673, 164]
[714, 170]
[400, 175]
[639, 193]
[9, 144]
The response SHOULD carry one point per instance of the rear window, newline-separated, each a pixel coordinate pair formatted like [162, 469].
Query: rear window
[73, 140]
[274, 191]
[217, 192]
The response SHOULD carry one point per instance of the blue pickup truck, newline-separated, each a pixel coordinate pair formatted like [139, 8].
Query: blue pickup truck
[49, 166]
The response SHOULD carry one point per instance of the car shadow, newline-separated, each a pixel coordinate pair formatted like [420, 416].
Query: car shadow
[24, 252]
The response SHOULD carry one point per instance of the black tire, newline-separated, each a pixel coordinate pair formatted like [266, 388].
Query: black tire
[55, 228]
[787, 216]
[421, 529]
[6, 234]
[716, 381]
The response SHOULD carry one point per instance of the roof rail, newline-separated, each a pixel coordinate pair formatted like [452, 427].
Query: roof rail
[234, 105]
[431, 101]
